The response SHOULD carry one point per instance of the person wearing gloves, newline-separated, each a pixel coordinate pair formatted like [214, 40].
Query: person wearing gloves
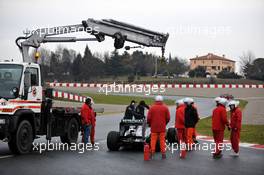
[180, 126]
[158, 117]
[219, 121]
[235, 125]
[191, 119]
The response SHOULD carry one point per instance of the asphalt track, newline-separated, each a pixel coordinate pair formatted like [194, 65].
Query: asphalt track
[253, 114]
[127, 162]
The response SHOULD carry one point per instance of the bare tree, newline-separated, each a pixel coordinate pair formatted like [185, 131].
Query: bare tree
[246, 61]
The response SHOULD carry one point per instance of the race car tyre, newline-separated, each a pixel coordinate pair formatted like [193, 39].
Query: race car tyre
[113, 141]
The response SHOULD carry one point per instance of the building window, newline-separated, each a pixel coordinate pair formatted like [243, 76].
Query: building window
[218, 67]
[194, 62]
[212, 62]
[203, 62]
[214, 67]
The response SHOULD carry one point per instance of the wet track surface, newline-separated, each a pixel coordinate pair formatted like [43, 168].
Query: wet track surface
[127, 161]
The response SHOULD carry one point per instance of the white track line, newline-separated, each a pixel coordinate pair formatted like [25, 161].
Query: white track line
[7, 156]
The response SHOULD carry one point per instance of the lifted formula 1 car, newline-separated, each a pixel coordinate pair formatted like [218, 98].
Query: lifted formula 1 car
[134, 133]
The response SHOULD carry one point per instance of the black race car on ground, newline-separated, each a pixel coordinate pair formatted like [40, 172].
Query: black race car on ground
[134, 133]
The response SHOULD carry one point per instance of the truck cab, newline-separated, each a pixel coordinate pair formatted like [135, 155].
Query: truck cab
[20, 81]
[26, 109]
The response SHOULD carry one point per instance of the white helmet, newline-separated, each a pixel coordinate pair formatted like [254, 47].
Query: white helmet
[158, 98]
[223, 101]
[217, 99]
[179, 102]
[188, 100]
[233, 102]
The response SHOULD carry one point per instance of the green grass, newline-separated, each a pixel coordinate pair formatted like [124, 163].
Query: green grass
[122, 100]
[249, 133]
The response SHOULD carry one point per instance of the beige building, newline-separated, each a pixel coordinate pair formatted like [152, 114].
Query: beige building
[213, 63]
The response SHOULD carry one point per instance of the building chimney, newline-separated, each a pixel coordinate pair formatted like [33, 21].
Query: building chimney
[223, 55]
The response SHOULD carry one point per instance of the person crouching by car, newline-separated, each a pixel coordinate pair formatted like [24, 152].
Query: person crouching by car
[140, 110]
[86, 115]
[158, 117]
[140, 115]
[219, 121]
[191, 119]
[130, 110]
[235, 125]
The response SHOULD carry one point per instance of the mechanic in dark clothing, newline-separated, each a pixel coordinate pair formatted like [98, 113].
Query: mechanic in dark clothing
[130, 110]
[191, 118]
[140, 110]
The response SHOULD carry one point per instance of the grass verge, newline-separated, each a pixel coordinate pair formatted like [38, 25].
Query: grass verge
[249, 133]
[122, 100]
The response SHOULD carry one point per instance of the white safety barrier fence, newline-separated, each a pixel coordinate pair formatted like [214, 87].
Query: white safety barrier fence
[68, 96]
[179, 86]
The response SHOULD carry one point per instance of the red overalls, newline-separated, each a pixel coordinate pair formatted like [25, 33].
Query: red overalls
[235, 124]
[219, 120]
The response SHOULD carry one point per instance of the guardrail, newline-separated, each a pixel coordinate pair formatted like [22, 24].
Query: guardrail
[97, 85]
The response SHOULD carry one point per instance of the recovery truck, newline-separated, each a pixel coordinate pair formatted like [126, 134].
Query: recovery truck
[26, 110]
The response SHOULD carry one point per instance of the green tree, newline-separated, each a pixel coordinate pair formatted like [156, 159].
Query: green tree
[77, 68]
[66, 61]
[177, 66]
[86, 66]
[256, 69]
[199, 71]
[227, 74]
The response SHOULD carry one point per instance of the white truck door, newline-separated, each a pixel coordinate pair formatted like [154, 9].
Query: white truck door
[35, 91]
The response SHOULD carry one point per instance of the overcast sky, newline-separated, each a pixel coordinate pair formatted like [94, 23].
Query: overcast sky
[228, 27]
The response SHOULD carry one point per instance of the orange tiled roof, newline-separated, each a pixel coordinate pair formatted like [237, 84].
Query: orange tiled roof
[211, 56]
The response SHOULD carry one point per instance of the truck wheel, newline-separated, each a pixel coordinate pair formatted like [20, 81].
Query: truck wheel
[72, 132]
[21, 141]
[171, 135]
[113, 143]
